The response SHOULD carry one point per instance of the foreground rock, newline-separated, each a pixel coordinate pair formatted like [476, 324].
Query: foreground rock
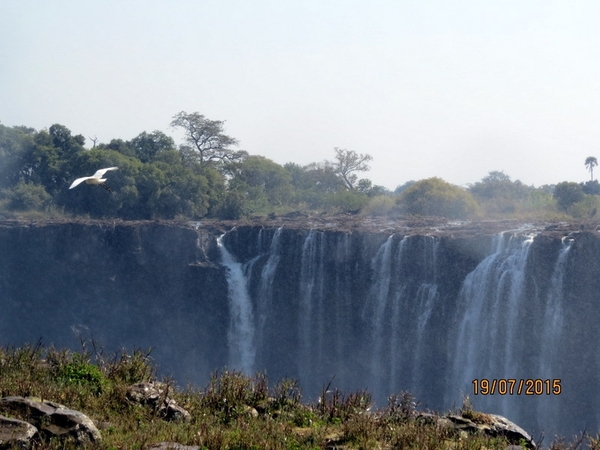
[172, 446]
[156, 395]
[16, 433]
[49, 420]
[491, 425]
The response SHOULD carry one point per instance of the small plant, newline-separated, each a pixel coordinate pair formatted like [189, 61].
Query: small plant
[401, 407]
[468, 412]
[287, 394]
[304, 417]
[334, 405]
[130, 368]
[233, 393]
[81, 372]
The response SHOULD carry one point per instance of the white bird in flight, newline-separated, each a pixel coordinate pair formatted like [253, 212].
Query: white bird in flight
[95, 179]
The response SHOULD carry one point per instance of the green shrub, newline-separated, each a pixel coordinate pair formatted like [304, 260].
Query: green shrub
[436, 197]
[379, 205]
[567, 194]
[345, 201]
[24, 197]
[130, 368]
[82, 373]
[585, 208]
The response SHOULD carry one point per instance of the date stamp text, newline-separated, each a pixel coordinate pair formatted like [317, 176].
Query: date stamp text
[513, 386]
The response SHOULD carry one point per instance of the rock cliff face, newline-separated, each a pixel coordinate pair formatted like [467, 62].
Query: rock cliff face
[382, 307]
[133, 285]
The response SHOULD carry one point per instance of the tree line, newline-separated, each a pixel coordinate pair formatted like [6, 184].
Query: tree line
[208, 176]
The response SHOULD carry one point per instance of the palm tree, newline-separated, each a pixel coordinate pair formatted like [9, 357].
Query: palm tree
[590, 163]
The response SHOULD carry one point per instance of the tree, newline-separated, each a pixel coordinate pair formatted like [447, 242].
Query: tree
[567, 194]
[25, 196]
[205, 138]
[118, 145]
[497, 194]
[50, 159]
[148, 145]
[590, 163]
[64, 141]
[591, 187]
[16, 147]
[436, 197]
[313, 183]
[402, 187]
[347, 162]
[262, 180]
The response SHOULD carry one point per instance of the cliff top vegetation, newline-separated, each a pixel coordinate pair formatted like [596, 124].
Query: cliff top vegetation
[208, 177]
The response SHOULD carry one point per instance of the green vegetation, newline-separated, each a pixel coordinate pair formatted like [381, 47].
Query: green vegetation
[233, 412]
[206, 176]
[435, 197]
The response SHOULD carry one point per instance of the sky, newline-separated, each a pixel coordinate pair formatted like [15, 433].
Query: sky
[453, 89]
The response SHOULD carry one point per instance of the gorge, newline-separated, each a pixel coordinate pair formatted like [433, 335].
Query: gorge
[386, 306]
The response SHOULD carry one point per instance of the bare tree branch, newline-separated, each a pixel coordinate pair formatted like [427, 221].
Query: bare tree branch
[347, 162]
[206, 137]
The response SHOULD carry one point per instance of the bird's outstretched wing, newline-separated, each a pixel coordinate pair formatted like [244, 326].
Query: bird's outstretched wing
[101, 172]
[97, 176]
[78, 181]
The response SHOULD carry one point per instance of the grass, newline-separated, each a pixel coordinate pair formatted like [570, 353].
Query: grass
[233, 411]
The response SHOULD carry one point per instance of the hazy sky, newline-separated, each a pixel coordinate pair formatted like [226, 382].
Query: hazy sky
[453, 89]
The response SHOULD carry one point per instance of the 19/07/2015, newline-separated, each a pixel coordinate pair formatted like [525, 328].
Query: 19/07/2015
[512, 386]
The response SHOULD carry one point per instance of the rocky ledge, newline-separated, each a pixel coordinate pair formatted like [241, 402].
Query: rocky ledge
[33, 420]
[36, 421]
[338, 222]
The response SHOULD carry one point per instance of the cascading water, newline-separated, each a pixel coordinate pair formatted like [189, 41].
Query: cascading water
[488, 308]
[241, 331]
[377, 311]
[410, 317]
[310, 303]
[552, 335]
[510, 328]
[554, 313]
[264, 298]
[401, 302]
[427, 314]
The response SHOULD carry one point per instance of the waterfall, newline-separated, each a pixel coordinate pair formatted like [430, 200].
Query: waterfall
[241, 331]
[552, 334]
[325, 310]
[554, 313]
[311, 303]
[417, 313]
[402, 298]
[488, 308]
[264, 298]
[403, 313]
[376, 314]
[425, 301]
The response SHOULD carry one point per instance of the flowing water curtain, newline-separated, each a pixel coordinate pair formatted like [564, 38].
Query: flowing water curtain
[416, 300]
[311, 297]
[489, 305]
[401, 301]
[241, 331]
[550, 361]
[271, 245]
[554, 313]
[376, 311]
[344, 308]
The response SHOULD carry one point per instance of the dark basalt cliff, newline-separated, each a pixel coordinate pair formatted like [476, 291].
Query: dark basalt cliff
[387, 305]
[133, 285]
